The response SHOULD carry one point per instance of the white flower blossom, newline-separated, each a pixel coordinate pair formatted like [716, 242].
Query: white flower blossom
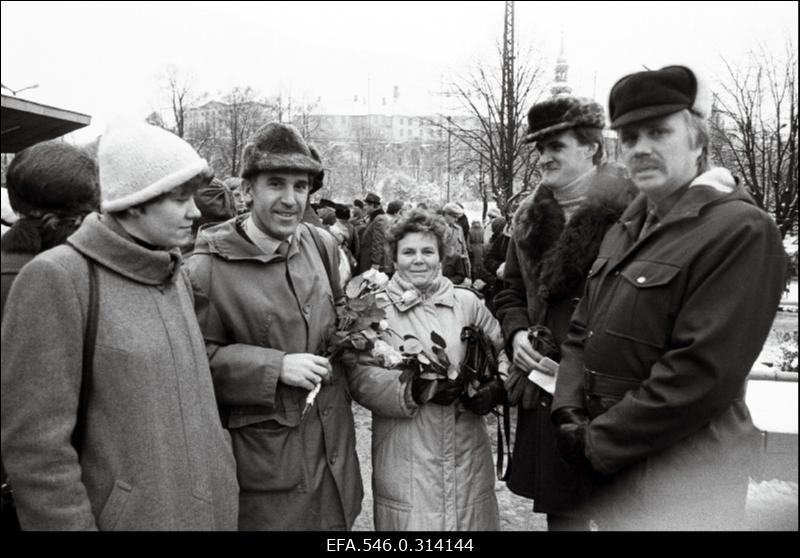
[383, 325]
[409, 296]
[380, 279]
[386, 354]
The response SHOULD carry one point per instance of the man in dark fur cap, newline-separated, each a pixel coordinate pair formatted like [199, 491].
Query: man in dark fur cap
[556, 234]
[650, 393]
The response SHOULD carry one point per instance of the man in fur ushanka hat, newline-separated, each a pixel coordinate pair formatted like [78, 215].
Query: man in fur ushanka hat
[556, 235]
[265, 284]
[650, 393]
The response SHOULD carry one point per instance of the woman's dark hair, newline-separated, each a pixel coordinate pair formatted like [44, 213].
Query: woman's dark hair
[417, 221]
[52, 185]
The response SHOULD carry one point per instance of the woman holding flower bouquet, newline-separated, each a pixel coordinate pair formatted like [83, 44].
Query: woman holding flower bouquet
[431, 454]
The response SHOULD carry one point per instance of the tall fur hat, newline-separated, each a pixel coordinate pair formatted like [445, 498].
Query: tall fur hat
[652, 93]
[139, 162]
[53, 177]
[560, 113]
[277, 146]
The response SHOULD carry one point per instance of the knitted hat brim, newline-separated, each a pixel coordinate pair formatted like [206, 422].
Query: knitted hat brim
[645, 113]
[534, 136]
[161, 186]
[284, 161]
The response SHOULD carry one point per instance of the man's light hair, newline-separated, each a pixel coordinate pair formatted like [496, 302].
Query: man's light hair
[700, 136]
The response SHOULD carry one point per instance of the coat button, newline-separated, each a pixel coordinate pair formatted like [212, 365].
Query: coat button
[333, 459]
[640, 279]
[326, 412]
[306, 309]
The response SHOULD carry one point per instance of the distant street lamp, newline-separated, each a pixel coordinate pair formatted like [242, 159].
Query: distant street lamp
[14, 93]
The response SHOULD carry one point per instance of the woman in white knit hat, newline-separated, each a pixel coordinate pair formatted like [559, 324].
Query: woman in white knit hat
[153, 454]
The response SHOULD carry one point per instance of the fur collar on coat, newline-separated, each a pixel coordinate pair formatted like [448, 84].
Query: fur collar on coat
[562, 255]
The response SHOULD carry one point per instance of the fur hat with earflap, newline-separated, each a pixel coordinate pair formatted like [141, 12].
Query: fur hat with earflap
[139, 162]
[277, 147]
[52, 185]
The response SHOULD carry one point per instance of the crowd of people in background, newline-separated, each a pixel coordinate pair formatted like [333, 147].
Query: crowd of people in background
[165, 333]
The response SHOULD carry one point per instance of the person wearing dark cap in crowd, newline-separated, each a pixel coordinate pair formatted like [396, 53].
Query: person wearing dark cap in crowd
[351, 243]
[154, 455]
[216, 203]
[650, 392]
[556, 234]
[265, 300]
[373, 240]
[455, 263]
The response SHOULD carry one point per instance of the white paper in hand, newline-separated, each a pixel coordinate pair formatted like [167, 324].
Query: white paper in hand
[546, 381]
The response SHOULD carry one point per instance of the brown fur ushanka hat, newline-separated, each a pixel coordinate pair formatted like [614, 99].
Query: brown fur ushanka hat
[561, 113]
[275, 147]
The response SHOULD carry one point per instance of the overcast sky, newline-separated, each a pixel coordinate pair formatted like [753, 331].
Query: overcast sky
[103, 58]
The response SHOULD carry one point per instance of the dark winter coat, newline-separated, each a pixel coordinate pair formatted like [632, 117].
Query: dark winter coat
[155, 456]
[546, 266]
[671, 324]
[495, 256]
[373, 244]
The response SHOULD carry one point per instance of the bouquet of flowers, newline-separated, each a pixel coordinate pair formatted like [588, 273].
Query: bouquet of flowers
[359, 320]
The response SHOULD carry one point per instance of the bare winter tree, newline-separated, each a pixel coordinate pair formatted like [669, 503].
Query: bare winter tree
[241, 115]
[370, 148]
[486, 131]
[178, 86]
[754, 129]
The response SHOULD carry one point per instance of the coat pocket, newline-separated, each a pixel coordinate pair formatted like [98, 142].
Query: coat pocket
[269, 457]
[641, 310]
[114, 506]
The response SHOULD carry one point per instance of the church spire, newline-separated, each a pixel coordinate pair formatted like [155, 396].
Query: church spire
[560, 85]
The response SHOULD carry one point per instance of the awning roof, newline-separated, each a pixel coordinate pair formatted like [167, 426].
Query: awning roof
[24, 123]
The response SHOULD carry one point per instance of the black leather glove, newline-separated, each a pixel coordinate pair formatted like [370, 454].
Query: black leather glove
[571, 438]
[520, 390]
[488, 395]
[448, 392]
[445, 391]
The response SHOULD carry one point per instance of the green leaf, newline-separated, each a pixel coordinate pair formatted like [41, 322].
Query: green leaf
[353, 289]
[437, 339]
[430, 376]
[358, 305]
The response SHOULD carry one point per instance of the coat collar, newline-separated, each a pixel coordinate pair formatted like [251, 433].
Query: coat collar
[229, 241]
[103, 239]
[559, 253]
[710, 188]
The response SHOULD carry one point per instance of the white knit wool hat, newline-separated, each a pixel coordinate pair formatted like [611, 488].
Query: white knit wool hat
[138, 162]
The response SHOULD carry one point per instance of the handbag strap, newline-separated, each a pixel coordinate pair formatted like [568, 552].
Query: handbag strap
[88, 359]
[336, 289]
